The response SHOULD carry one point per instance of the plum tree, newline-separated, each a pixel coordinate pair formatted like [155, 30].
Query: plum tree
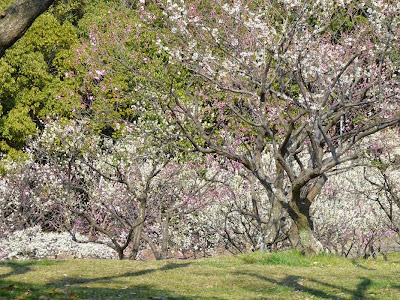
[305, 81]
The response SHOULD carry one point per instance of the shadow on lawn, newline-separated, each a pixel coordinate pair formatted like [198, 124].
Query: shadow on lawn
[8, 287]
[57, 291]
[169, 266]
[296, 285]
[77, 285]
[79, 288]
[362, 267]
[142, 291]
[17, 268]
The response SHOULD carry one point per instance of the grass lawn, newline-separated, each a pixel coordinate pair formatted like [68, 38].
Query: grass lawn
[252, 276]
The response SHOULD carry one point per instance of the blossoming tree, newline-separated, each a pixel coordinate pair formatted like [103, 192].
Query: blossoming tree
[306, 81]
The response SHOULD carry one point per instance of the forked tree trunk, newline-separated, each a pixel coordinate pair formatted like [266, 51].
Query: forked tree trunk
[276, 228]
[302, 237]
[302, 231]
[160, 251]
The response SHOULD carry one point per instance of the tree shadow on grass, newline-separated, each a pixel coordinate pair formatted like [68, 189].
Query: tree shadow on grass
[141, 291]
[17, 268]
[295, 284]
[8, 286]
[362, 267]
[80, 288]
[73, 280]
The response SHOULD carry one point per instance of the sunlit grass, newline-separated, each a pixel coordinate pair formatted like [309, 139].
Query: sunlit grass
[286, 275]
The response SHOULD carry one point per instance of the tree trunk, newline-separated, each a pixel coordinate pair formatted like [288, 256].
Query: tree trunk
[157, 254]
[165, 236]
[120, 252]
[136, 242]
[137, 232]
[302, 237]
[276, 229]
[276, 226]
[301, 232]
[15, 20]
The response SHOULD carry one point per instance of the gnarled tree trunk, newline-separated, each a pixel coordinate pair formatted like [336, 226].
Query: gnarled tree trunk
[15, 20]
[301, 232]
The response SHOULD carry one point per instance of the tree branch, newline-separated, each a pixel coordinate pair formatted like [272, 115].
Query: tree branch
[16, 20]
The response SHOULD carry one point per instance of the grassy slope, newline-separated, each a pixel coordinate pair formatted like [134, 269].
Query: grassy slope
[251, 276]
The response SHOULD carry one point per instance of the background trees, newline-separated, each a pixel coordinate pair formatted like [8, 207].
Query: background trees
[369, 222]
[35, 75]
[38, 74]
[117, 192]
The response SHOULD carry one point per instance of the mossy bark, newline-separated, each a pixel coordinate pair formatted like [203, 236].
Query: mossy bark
[302, 238]
[302, 231]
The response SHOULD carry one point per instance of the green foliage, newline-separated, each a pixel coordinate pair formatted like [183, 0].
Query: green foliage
[38, 73]
[50, 72]
[5, 3]
[33, 79]
[123, 49]
[18, 125]
[69, 10]
[346, 20]
[7, 85]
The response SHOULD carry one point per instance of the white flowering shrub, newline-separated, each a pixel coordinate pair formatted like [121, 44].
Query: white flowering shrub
[30, 195]
[33, 243]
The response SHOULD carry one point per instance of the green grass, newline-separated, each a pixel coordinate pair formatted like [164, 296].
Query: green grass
[293, 259]
[286, 275]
